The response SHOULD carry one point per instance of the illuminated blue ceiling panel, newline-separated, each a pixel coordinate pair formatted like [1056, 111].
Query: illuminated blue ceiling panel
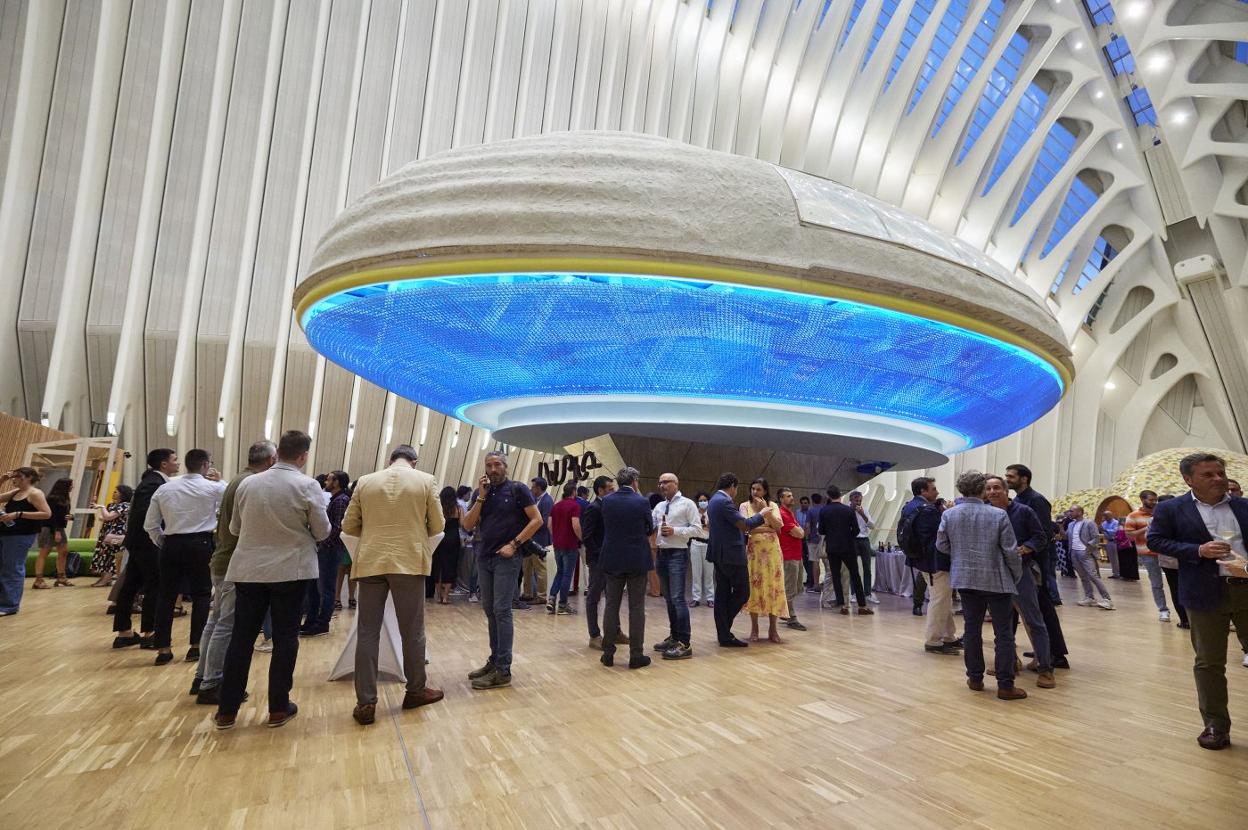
[457, 343]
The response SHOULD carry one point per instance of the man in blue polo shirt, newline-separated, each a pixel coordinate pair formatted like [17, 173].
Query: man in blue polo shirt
[506, 517]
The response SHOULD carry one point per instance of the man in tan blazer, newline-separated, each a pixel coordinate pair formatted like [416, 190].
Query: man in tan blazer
[394, 512]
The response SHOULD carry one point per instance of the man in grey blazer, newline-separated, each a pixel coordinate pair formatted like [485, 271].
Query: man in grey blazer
[985, 570]
[1082, 540]
[279, 516]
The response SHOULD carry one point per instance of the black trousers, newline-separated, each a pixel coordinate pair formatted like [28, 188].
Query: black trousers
[1172, 579]
[732, 592]
[850, 560]
[636, 585]
[1057, 641]
[142, 576]
[253, 600]
[918, 581]
[184, 567]
[594, 587]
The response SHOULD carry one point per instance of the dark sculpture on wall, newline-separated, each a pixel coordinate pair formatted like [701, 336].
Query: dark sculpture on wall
[557, 472]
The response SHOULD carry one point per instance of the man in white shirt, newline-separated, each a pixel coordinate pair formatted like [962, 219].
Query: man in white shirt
[180, 522]
[678, 522]
[1082, 536]
[279, 516]
[863, 543]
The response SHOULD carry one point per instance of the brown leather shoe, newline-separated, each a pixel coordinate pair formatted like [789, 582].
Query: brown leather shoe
[865, 612]
[974, 685]
[277, 719]
[621, 639]
[1046, 681]
[424, 697]
[1032, 665]
[845, 610]
[1211, 739]
[1012, 693]
[365, 713]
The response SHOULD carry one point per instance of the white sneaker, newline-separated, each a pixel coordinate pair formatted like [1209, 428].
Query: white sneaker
[871, 599]
[1246, 661]
[1086, 602]
[265, 646]
[1164, 616]
[1107, 604]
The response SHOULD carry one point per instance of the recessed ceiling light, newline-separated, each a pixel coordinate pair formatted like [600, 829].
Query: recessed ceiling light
[1136, 9]
[1118, 146]
[1099, 94]
[1109, 384]
[1179, 117]
[1158, 62]
[1078, 45]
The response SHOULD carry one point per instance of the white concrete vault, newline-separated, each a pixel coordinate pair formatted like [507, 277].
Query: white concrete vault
[168, 166]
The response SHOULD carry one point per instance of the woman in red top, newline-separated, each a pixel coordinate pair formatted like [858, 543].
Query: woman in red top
[791, 535]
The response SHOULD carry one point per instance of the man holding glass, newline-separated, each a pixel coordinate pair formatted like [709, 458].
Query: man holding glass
[1205, 530]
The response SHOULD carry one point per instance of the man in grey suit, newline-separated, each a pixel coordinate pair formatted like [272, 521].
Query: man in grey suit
[1082, 538]
[985, 569]
[725, 548]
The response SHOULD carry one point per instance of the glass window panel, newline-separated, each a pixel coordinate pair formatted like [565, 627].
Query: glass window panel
[914, 25]
[972, 59]
[1000, 82]
[1023, 125]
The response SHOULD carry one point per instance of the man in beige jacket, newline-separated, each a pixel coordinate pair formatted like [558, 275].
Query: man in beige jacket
[394, 512]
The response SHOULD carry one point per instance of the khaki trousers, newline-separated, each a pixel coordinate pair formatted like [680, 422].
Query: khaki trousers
[940, 627]
[794, 581]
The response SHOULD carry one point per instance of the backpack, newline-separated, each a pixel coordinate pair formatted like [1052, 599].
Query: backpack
[907, 539]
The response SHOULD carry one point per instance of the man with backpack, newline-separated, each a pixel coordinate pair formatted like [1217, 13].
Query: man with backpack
[916, 535]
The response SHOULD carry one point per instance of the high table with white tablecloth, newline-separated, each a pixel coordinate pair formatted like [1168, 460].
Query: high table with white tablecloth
[892, 574]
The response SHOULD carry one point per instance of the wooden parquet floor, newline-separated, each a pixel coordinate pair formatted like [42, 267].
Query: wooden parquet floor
[847, 725]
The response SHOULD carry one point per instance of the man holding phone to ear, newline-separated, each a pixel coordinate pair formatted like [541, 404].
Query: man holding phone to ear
[508, 518]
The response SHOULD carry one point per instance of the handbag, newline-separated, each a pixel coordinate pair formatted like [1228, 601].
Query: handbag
[114, 540]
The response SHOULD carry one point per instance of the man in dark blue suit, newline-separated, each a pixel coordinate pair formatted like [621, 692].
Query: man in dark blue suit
[838, 523]
[725, 547]
[626, 562]
[1198, 529]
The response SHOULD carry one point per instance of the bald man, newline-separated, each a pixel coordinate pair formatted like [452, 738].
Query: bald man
[678, 522]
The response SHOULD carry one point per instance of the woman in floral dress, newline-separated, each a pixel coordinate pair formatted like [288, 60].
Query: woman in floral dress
[108, 544]
[766, 564]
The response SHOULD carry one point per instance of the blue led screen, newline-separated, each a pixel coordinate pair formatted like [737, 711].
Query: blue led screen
[450, 342]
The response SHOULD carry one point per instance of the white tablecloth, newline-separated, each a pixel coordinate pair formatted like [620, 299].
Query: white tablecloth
[892, 574]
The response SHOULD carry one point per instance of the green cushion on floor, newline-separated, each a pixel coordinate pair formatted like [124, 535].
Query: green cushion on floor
[83, 547]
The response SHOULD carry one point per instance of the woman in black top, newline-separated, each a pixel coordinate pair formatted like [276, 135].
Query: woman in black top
[52, 535]
[446, 556]
[22, 510]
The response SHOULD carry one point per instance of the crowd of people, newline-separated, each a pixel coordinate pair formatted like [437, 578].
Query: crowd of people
[268, 552]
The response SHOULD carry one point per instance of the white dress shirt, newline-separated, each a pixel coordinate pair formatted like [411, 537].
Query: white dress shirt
[864, 525]
[683, 517]
[278, 517]
[186, 504]
[1219, 517]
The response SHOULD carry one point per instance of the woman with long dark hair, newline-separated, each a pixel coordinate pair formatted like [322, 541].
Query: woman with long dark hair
[446, 556]
[766, 564]
[52, 535]
[110, 542]
[23, 508]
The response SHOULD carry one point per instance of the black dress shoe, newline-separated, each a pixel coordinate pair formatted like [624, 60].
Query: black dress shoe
[126, 642]
[195, 684]
[734, 643]
[1211, 739]
[192, 654]
[1061, 663]
[639, 662]
[607, 659]
[147, 643]
[163, 658]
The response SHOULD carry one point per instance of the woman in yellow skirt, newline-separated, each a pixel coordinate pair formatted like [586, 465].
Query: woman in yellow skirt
[766, 564]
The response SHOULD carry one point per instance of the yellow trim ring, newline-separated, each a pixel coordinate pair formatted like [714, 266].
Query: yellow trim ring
[682, 270]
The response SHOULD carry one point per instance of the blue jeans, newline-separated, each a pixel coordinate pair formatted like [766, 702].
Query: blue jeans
[13, 551]
[1155, 581]
[216, 637]
[975, 604]
[673, 569]
[499, 578]
[565, 561]
[320, 601]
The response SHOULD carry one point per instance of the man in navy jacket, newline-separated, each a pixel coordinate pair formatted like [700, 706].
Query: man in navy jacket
[626, 562]
[1199, 528]
[725, 548]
